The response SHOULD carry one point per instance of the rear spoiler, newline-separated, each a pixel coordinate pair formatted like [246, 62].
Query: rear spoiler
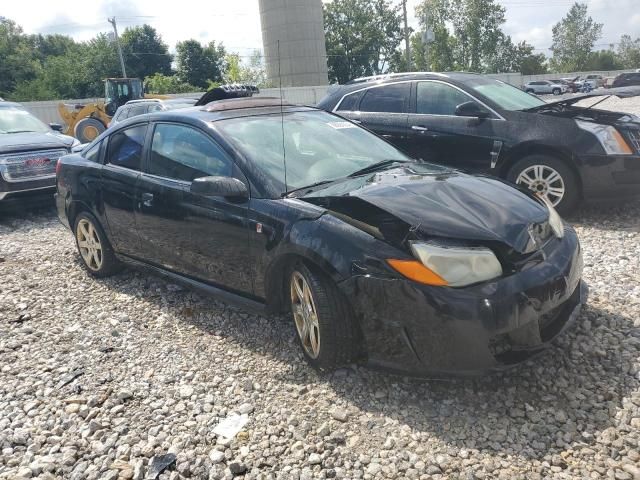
[225, 92]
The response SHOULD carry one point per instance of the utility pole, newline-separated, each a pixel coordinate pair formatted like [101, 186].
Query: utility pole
[112, 21]
[406, 35]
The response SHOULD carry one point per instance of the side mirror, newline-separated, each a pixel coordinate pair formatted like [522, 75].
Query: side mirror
[472, 109]
[56, 126]
[220, 187]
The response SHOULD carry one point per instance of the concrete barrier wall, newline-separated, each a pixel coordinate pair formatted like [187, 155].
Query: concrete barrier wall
[48, 111]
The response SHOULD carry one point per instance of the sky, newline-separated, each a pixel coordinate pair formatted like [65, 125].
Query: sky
[237, 23]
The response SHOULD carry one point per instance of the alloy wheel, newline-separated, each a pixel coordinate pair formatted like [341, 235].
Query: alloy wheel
[305, 314]
[89, 244]
[544, 181]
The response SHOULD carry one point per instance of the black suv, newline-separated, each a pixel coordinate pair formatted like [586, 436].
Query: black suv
[468, 121]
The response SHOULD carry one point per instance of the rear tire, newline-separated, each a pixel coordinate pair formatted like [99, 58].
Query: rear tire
[556, 91]
[529, 90]
[88, 129]
[94, 248]
[550, 177]
[324, 323]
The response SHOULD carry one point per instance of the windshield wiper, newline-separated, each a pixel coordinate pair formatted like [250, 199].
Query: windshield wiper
[307, 187]
[377, 166]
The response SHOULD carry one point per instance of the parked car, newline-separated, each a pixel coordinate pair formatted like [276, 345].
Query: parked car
[572, 83]
[564, 152]
[626, 80]
[542, 87]
[133, 108]
[596, 81]
[29, 150]
[571, 87]
[608, 82]
[380, 258]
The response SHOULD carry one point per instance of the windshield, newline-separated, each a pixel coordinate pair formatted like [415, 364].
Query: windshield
[15, 120]
[504, 95]
[319, 147]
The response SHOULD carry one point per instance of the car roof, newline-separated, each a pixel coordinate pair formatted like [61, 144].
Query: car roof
[162, 100]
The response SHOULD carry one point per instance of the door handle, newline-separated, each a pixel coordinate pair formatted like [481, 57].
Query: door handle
[419, 128]
[147, 199]
[358, 122]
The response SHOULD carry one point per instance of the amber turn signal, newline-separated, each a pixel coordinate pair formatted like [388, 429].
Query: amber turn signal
[417, 272]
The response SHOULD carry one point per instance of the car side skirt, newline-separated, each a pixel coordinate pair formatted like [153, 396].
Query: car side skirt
[241, 301]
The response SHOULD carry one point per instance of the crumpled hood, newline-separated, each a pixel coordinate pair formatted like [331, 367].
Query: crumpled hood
[449, 205]
[14, 142]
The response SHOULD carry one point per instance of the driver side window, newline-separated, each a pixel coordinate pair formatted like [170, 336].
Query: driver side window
[183, 153]
[435, 98]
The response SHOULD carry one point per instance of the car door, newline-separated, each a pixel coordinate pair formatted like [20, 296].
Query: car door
[203, 237]
[384, 110]
[120, 174]
[437, 134]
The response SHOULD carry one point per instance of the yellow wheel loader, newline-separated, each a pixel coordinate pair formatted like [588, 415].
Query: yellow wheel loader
[86, 122]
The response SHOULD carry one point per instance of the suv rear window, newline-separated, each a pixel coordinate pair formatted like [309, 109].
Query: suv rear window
[387, 99]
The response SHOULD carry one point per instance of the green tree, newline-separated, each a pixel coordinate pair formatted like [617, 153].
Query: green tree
[251, 72]
[18, 62]
[197, 64]
[467, 35]
[573, 39]
[510, 57]
[629, 52]
[144, 52]
[603, 60]
[160, 84]
[362, 37]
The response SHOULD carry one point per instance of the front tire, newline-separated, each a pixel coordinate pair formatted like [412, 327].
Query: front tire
[548, 177]
[94, 248]
[322, 319]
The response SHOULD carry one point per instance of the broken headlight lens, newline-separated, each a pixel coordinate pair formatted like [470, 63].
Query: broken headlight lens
[611, 140]
[555, 220]
[458, 266]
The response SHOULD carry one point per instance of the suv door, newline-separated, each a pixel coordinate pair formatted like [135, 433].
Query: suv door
[120, 174]
[202, 237]
[437, 134]
[384, 110]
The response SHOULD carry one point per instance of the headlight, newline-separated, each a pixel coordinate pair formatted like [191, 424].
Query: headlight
[608, 136]
[555, 221]
[449, 266]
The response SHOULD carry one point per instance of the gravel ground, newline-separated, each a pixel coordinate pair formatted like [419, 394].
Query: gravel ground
[106, 379]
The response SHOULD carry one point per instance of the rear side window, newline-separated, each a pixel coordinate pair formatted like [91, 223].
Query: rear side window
[125, 147]
[435, 98]
[387, 99]
[137, 110]
[183, 153]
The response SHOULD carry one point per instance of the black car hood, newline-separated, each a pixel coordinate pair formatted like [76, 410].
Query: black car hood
[446, 204]
[620, 92]
[17, 142]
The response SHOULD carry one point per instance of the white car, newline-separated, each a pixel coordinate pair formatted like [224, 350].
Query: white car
[542, 87]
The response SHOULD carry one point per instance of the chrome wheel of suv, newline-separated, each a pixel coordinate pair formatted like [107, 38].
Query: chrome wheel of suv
[545, 181]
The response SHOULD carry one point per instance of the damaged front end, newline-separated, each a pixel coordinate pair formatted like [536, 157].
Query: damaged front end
[422, 328]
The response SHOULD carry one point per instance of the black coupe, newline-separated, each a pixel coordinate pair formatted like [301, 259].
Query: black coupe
[407, 265]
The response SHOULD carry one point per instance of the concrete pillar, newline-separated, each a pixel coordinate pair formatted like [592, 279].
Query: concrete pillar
[299, 26]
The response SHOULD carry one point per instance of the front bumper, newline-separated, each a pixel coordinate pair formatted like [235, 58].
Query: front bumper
[419, 329]
[609, 176]
[17, 194]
